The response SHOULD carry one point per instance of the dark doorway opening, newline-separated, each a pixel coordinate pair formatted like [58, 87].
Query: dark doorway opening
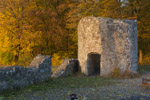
[93, 64]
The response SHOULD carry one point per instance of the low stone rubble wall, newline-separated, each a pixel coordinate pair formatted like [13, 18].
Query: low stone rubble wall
[68, 66]
[16, 76]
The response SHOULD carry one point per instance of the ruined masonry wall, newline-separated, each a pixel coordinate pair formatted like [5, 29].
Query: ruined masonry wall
[115, 40]
[16, 76]
[68, 67]
[119, 45]
[89, 40]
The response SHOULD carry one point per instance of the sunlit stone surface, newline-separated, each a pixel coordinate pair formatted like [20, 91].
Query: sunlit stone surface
[114, 40]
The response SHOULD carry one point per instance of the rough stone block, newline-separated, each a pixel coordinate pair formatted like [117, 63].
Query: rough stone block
[68, 66]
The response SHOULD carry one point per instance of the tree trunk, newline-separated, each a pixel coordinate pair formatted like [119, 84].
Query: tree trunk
[140, 57]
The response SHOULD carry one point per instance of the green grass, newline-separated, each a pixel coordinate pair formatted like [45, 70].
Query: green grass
[142, 69]
[76, 81]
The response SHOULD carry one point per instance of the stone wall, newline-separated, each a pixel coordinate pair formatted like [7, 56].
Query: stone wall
[119, 45]
[68, 67]
[89, 40]
[115, 40]
[16, 76]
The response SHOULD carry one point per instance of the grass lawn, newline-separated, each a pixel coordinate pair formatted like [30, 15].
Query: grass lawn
[143, 68]
[74, 81]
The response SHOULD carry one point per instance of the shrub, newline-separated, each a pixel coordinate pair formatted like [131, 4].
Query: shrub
[126, 74]
[129, 74]
[116, 72]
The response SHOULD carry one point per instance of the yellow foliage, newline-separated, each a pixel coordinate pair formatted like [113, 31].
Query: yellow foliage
[56, 60]
[146, 60]
[16, 36]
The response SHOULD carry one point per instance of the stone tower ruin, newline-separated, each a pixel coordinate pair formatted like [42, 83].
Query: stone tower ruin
[105, 44]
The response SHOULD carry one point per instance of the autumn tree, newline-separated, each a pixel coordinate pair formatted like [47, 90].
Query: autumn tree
[30, 27]
[139, 9]
[16, 33]
[48, 17]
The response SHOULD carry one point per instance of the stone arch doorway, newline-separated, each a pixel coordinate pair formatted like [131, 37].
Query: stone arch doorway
[93, 64]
